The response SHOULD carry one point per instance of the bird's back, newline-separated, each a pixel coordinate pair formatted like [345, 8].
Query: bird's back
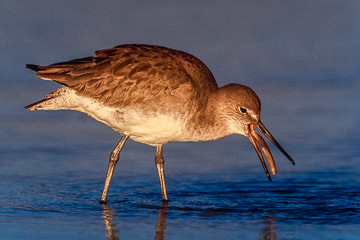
[136, 75]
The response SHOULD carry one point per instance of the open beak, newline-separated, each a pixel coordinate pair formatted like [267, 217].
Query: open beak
[262, 148]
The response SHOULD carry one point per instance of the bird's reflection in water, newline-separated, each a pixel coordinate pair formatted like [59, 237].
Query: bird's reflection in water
[268, 232]
[112, 233]
[161, 222]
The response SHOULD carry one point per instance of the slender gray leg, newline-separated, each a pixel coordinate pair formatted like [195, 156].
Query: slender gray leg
[159, 160]
[114, 158]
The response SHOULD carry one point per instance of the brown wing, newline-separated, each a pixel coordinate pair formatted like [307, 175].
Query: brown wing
[135, 75]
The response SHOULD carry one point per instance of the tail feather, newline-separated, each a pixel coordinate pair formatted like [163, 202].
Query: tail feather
[68, 73]
[56, 100]
[55, 73]
[33, 67]
[37, 105]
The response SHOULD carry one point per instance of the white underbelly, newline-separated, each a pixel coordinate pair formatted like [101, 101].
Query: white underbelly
[152, 128]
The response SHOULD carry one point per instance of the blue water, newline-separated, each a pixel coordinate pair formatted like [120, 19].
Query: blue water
[302, 59]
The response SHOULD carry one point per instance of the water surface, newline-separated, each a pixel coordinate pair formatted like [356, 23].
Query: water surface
[301, 58]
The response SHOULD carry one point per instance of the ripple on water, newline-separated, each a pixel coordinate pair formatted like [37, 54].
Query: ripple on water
[312, 199]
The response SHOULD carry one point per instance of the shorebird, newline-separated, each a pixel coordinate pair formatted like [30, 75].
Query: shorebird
[155, 95]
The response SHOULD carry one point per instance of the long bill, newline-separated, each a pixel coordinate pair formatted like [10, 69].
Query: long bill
[273, 140]
[263, 150]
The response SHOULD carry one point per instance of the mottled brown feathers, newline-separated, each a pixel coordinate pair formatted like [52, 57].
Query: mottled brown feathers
[134, 74]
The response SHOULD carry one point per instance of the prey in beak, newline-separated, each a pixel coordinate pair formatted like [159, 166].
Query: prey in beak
[262, 148]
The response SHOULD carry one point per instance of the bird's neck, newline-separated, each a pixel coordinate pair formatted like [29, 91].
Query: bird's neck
[209, 121]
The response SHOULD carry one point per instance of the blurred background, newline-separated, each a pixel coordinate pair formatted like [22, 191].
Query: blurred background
[300, 57]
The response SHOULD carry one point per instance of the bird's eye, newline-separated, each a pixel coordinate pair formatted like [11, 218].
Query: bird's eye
[243, 110]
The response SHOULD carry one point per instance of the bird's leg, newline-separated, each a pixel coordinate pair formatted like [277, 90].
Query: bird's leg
[159, 160]
[114, 158]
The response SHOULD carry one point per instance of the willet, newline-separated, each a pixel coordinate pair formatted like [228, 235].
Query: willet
[155, 95]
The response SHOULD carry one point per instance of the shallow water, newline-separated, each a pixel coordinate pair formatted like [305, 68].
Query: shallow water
[301, 59]
[299, 205]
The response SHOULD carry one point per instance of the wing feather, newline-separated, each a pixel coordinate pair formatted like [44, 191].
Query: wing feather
[140, 75]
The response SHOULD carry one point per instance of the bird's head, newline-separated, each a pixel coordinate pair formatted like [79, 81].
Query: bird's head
[241, 107]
